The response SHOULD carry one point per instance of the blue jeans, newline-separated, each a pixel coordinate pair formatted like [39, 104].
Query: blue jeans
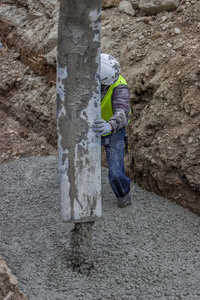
[114, 147]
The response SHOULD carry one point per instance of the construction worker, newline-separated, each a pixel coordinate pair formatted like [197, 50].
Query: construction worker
[115, 114]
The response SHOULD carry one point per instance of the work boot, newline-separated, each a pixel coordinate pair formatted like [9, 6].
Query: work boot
[124, 201]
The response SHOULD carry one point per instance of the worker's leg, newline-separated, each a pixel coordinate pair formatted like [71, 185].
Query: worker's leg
[114, 146]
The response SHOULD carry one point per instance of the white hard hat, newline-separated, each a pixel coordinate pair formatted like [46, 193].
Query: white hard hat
[110, 69]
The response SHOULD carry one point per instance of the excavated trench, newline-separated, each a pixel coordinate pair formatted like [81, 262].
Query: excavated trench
[150, 251]
[164, 87]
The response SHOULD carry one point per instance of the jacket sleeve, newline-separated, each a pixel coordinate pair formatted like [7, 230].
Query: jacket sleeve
[121, 107]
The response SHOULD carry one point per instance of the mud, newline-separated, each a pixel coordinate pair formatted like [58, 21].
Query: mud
[149, 250]
[81, 257]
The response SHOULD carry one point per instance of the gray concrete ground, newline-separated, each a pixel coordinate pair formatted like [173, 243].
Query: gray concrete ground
[150, 250]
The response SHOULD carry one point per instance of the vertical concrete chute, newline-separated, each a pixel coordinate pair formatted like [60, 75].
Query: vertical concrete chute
[78, 106]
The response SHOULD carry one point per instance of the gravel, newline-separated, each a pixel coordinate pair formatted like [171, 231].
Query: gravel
[81, 256]
[150, 250]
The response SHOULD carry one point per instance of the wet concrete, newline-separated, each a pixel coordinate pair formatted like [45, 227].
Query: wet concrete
[150, 250]
[81, 257]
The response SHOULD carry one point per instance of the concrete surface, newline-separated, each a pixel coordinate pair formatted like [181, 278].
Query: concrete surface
[150, 250]
[78, 107]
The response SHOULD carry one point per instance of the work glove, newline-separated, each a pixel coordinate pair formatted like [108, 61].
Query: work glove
[101, 127]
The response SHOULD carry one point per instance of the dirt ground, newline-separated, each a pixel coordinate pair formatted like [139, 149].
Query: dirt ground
[8, 284]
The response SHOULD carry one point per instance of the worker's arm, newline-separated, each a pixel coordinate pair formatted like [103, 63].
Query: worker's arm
[121, 107]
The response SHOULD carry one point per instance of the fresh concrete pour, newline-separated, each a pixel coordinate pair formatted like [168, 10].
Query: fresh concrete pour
[78, 106]
[150, 250]
[81, 257]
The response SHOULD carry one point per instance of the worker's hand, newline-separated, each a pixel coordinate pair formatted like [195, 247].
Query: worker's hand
[101, 127]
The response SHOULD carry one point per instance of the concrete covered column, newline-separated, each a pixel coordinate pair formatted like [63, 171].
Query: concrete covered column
[78, 106]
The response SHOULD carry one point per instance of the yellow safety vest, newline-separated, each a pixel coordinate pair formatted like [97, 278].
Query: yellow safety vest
[106, 103]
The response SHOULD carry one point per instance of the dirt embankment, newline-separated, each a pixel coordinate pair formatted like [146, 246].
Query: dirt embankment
[159, 56]
[28, 72]
[8, 284]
